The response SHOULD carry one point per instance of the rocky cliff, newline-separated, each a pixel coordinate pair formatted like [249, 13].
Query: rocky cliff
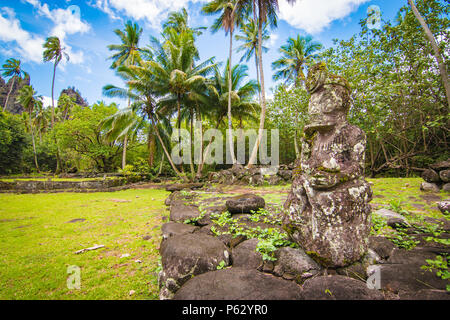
[12, 106]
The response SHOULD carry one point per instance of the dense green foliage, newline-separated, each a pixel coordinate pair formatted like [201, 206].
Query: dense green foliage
[13, 143]
[398, 95]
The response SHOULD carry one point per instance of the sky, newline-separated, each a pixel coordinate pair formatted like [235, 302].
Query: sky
[86, 29]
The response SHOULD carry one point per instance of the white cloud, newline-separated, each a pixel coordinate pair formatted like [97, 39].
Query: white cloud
[29, 46]
[66, 23]
[314, 16]
[273, 39]
[47, 101]
[151, 11]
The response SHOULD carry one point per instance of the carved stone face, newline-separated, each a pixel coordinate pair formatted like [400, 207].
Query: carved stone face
[330, 98]
[326, 108]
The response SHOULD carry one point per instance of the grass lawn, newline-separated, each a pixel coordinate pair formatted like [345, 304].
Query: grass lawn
[37, 242]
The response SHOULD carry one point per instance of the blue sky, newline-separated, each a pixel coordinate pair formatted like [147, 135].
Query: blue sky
[24, 25]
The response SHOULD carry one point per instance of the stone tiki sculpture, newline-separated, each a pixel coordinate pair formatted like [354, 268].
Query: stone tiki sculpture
[327, 210]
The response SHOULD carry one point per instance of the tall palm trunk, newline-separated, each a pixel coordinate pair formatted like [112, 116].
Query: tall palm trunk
[53, 99]
[230, 124]
[124, 153]
[166, 152]
[179, 128]
[34, 144]
[9, 93]
[254, 154]
[437, 52]
[151, 147]
[191, 159]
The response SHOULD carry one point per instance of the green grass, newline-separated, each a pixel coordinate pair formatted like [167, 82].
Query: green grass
[54, 179]
[37, 244]
[406, 192]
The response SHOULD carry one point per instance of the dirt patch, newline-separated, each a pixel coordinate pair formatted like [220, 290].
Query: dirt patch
[76, 220]
[430, 197]
[119, 200]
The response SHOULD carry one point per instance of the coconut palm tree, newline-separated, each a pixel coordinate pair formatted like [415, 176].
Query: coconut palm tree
[179, 22]
[231, 14]
[128, 53]
[12, 69]
[243, 105]
[29, 99]
[175, 74]
[54, 52]
[250, 39]
[295, 56]
[41, 120]
[141, 91]
[265, 11]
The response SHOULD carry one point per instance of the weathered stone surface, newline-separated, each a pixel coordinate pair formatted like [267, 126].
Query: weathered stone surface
[430, 187]
[381, 246]
[245, 203]
[182, 186]
[429, 175]
[328, 206]
[238, 284]
[392, 217]
[188, 255]
[444, 206]
[14, 85]
[245, 255]
[338, 287]
[182, 212]
[426, 294]
[443, 165]
[446, 187]
[171, 229]
[445, 175]
[294, 263]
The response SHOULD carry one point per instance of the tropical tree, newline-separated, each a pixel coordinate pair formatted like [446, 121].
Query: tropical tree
[436, 50]
[12, 69]
[142, 92]
[231, 14]
[128, 53]
[265, 12]
[243, 105]
[29, 99]
[179, 22]
[124, 124]
[250, 46]
[41, 120]
[174, 74]
[54, 52]
[295, 56]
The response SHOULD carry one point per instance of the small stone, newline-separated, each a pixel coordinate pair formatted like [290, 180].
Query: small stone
[125, 255]
[430, 187]
[444, 206]
[138, 261]
[445, 175]
[132, 292]
[430, 176]
[246, 203]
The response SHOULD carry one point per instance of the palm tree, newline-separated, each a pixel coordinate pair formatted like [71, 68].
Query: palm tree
[243, 105]
[179, 22]
[141, 91]
[174, 73]
[12, 68]
[296, 54]
[41, 120]
[54, 52]
[265, 11]
[230, 16]
[128, 53]
[124, 124]
[29, 99]
[250, 39]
